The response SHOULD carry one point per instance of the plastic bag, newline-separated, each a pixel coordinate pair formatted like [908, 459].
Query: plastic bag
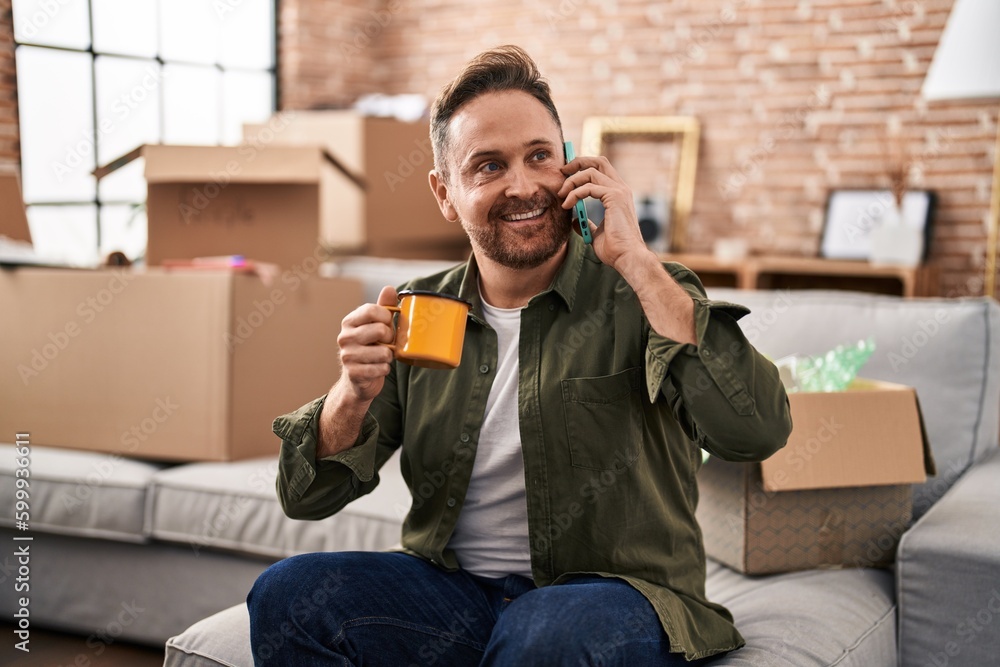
[832, 371]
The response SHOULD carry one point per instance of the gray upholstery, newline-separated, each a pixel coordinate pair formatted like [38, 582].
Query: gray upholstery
[815, 617]
[205, 531]
[818, 617]
[86, 494]
[949, 575]
[222, 639]
[234, 506]
[948, 349]
[137, 592]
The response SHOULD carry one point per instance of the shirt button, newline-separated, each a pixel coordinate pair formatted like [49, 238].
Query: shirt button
[552, 306]
[451, 502]
[484, 368]
[706, 353]
[464, 437]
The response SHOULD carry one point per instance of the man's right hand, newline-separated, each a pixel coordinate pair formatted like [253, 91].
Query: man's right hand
[364, 359]
[365, 362]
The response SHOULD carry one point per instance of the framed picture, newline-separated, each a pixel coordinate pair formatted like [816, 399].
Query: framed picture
[851, 215]
[601, 132]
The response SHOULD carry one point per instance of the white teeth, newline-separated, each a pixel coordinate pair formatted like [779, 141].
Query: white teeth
[523, 216]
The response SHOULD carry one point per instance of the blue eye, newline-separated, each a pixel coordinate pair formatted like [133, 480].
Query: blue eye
[541, 155]
[491, 167]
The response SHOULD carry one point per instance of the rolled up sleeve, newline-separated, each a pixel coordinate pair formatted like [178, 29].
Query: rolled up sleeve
[727, 396]
[315, 489]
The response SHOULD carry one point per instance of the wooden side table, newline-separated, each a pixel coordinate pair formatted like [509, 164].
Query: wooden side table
[773, 272]
[713, 273]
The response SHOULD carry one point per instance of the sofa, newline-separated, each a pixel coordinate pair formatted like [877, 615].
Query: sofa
[153, 553]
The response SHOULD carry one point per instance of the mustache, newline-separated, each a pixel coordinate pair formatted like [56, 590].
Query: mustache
[515, 206]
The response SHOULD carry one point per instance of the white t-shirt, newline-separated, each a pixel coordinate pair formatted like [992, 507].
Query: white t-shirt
[491, 537]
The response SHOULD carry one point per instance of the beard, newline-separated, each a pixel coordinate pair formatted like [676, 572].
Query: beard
[521, 247]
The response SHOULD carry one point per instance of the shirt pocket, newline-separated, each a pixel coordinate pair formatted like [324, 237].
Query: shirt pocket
[603, 419]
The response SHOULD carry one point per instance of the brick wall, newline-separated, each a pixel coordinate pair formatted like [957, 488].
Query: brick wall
[9, 143]
[794, 96]
[325, 57]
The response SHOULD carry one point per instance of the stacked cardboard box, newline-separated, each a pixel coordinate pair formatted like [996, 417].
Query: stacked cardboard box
[837, 495]
[305, 184]
[384, 204]
[173, 364]
[269, 204]
[170, 365]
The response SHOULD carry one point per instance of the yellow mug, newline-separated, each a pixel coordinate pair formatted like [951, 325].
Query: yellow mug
[430, 330]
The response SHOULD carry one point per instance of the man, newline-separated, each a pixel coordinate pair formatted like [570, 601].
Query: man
[553, 472]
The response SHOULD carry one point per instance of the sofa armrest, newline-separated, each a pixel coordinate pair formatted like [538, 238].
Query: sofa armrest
[948, 576]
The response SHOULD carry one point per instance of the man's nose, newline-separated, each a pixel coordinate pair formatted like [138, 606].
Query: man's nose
[521, 184]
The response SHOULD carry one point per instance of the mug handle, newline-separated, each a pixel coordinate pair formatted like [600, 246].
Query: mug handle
[392, 345]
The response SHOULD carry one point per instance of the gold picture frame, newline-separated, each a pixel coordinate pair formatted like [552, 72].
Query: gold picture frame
[597, 130]
[989, 285]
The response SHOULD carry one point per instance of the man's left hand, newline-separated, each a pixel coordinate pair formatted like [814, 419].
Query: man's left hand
[618, 237]
[618, 243]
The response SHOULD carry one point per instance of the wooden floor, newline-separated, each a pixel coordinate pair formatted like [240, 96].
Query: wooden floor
[55, 649]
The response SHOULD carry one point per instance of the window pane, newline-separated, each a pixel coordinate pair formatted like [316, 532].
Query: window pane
[64, 233]
[189, 30]
[54, 22]
[191, 111]
[125, 184]
[123, 228]
[57, 127]
[125, 26]
[247, 98]
[247, 34]
[128, 105]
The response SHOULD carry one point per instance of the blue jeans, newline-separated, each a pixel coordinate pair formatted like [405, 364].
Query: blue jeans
[396, 610]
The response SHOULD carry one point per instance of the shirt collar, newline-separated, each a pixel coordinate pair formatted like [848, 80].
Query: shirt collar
[565, 284]
[567, 281]
[469, 289]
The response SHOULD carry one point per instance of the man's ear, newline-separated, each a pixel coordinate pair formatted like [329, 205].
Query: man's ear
[439, 186]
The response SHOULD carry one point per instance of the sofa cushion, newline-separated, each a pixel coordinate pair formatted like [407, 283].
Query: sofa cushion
[85, 494]
[221, 639]
[142, 593]
[945, 348]
[234, 506]
[815, 617]
[804, 619]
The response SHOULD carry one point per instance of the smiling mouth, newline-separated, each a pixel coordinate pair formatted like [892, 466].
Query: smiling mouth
[527, 215]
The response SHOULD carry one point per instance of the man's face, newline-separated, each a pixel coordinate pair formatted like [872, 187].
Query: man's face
[504, 155]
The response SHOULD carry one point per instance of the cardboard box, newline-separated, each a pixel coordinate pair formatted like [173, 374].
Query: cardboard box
[167, 365]
[394, 214]
[837, 495]
[13, 221]
[272, 204]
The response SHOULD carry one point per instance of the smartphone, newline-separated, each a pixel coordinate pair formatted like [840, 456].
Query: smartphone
[581, 208]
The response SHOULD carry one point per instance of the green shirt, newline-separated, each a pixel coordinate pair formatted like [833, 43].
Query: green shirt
[612, 416]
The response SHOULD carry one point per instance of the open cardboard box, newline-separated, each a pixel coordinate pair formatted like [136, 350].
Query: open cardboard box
[837, 495]
[181, 365]
[272, 204]
[387, 209]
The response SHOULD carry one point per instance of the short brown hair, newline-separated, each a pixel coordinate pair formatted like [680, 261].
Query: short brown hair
[503, 68]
